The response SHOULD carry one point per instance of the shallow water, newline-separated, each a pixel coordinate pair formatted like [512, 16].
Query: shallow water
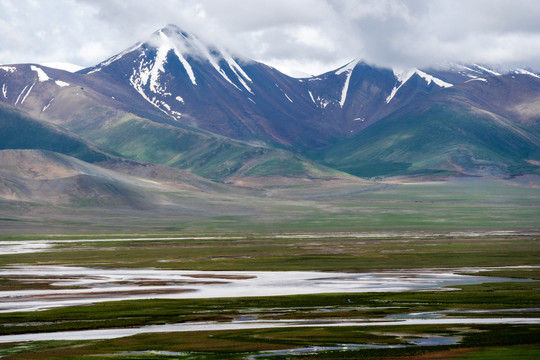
[433, 340]
[24, 247]
[419, 341]
[316, 349]
[245, 325]
[31, 246]
[99, 285]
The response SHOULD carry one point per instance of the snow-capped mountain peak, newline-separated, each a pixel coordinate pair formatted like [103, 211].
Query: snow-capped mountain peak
[171, 63]
[187, 45]
[402, 76]
[348, 67]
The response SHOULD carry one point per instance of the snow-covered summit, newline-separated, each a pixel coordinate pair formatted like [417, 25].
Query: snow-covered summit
[186, 45]
[173, 62]
[402, 76]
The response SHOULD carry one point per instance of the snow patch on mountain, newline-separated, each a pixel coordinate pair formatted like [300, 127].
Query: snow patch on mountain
[477, 79]
[28, 92]
[9, 69]
[42, 77]
[149, 71]
[187, 67]
[178, 44]
[176, 114]
[153, 73]
[63, 66]
[61, 83]
[430, 78]
[137, 83]
[466, 68]
[403, 76]
[526, 72]
[287, 96]
[146, 77]
[165, 105]
[211, 59]
[392, 93]
[486, 70]
[238, 71]
[323, 103]
[284, 93]
[245, 85]
[4, 90]
[348, 69]
[47, 106]
[234, 65]
[19, 97]
[243, 82]
[311, 96]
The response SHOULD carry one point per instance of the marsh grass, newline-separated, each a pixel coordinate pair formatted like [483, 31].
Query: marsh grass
[239, 344]
[259, 252]
[503, 353]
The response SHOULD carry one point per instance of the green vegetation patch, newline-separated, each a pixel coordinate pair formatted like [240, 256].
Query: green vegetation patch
[259, 252]
[205, 154]
[19, 131]
[503, 353]
[440, 138]
[240, 344]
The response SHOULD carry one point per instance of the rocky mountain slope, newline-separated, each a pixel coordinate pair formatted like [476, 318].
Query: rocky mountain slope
[480, 128]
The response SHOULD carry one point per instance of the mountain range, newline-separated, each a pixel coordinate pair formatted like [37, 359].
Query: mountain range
[185, 109]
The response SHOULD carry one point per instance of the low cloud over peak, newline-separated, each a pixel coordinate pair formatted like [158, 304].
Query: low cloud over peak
[310, 35]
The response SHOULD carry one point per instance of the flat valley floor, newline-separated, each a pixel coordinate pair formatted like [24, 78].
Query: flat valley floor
[432, 270]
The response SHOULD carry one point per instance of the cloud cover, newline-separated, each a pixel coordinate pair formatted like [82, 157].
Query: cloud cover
[308, 35]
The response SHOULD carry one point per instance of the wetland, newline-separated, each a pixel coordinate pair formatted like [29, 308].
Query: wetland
[335, 295]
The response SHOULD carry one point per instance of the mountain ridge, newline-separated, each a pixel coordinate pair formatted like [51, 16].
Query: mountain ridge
[176, 100]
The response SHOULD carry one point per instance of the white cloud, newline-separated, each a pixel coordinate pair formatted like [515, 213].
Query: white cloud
[313, 35]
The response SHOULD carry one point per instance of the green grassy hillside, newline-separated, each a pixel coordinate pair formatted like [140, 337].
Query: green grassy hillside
[20, 131]
[438, 139]
[207, 155]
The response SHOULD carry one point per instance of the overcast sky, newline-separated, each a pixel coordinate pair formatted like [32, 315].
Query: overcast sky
[312, 36]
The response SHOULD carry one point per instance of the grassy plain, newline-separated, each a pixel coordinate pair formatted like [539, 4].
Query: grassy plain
[337, 252]
[327, 206]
